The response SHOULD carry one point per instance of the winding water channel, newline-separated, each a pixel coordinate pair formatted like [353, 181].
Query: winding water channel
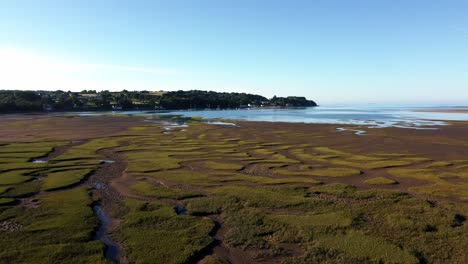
[111, 250]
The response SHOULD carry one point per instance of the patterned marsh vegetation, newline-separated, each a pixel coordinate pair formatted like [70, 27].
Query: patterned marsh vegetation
[249, 193]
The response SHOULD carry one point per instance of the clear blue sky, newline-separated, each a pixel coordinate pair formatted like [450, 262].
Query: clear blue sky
[373, 51]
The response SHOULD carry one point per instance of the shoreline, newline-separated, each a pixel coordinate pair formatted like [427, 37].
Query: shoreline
[445, 111]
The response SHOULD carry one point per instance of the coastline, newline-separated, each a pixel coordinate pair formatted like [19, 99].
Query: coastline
[446, 111]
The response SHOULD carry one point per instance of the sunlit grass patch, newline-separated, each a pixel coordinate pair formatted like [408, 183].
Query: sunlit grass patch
[300, 153]
[285, 147]
[61, 179]
[24, 155]
[78, 153]
[23, 148]
[439, 164]
[231, 155]
[190, 154]
[248, 142]
[276, 158]
[4, 161]
[135, 148]
[22, 166]
[262, 180]
[380, 181]
[6, 201]
[182, 176]
[223, 166]
[220, 145]
[155, 234]
[181, 149]
[14, 177]
[76, 162]
[421, 174]
[359, 245]
[394, 155]
[459, 161]
[88, 150]
[372, 164]
[139, 128]
[351, 160]
[270, 144]
[68, 168]
[147, 189]
[444, 189]
[330, 151]
[460, 175]
[264, 152]
[151, 161]
[416, 159]
[34, 147]
[325, 172]
[363, 158]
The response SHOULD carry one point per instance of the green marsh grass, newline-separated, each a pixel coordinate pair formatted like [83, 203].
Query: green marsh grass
[223, 166]
[276, 158]
[15, 177]
[416, 159]
[154, 233]
[325, 172]
[151, 161]
[23, 189]
[230, 177]
[147, 189]
[264, 152]
[276, 196]
[24, 155]
[180, 176]
[6, 201]
[444, 189]
[380, 181]
[371, 164]
[249, 228]
[88, 150]
[209, 205]
[420, 174]
[333, 219]
[439, 164]
[62, 179]
[21, 166]
[4, 189]
[359, 245]
[59, 231]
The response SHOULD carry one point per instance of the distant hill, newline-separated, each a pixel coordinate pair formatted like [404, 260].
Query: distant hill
[29, 101]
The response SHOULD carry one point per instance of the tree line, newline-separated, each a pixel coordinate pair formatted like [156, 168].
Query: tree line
[91, 100]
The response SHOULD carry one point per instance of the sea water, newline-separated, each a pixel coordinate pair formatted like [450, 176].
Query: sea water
[368, 116]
